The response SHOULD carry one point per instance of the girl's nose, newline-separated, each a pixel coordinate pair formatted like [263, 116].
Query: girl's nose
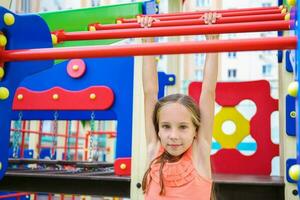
[173, 135]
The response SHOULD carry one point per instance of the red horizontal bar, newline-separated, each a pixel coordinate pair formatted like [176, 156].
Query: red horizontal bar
[152, 49]
[176, 30]
[231, 14]
[187, 22]
[64, 135]
[218, 11]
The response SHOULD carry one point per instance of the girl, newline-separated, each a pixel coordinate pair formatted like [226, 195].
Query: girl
[179, 134]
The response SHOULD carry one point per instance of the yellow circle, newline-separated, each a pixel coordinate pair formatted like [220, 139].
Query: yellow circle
[123, 166]
[3, 40]
[2, 72]
[157, 1]
[4, 93]
[293, 89]
[54, 39]
[293, 114]
[287, 17]
[294, 172]
[75, 67]
[283, 11]
[55, 96]
[20, 96]
[171, 79]
[92, 28]
[119, 21]
[242, 127]
[291, 2]
[93, 96]
[9, 19]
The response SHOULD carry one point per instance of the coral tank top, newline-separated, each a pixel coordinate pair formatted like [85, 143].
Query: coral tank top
[181, 181]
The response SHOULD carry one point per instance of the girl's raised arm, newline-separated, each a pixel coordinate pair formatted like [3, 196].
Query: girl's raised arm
[150, 87]
[207, 97]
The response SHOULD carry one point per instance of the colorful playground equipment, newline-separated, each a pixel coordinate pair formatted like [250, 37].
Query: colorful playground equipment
[100, 82]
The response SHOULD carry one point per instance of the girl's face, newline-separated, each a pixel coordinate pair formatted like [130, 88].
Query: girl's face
[176, 129]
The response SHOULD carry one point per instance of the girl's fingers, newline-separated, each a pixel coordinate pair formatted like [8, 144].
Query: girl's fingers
[214, 18]
[142, 21]
[149, 23]
[210, 18]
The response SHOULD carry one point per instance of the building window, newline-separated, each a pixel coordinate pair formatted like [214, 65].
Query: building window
[198, 74]
[200, 59]
[25, 4]
[96, 3]
[202, 3]
[231, 54]
[231, 73]
[267, 69]
[266, 4]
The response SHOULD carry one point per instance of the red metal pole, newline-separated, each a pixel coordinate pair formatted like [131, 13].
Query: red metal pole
[66, 140]
[177, 30]
[6, 196]
[23, 139]
[218, 11]
[188, 22]
[86, 145]
[61, 135]
[152, 49]
[40, 137]
[196, 16]
[76, 140]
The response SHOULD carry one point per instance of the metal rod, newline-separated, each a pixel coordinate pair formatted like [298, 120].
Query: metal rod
[176, 30]
[196, 16]
[152, 49]
[188, 22]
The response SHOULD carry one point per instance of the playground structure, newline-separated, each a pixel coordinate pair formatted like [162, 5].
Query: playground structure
[83, 88]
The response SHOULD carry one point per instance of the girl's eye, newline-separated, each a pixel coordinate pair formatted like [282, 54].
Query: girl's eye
[183, 127]
[165, 126]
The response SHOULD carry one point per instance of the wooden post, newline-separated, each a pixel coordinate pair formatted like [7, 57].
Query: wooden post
[174, 61]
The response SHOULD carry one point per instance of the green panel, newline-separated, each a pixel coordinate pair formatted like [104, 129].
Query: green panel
[79, 19]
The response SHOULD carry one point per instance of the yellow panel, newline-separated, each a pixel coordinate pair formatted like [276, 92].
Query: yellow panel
[242, 127]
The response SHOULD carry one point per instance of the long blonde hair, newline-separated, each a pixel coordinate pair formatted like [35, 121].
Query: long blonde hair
[191, 105]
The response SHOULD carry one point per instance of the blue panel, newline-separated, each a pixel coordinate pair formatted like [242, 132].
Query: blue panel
[150, 7]
[289, 163]
[28, 153]
[290, 125]
[45, 153]
[289, 61]
[24, 197]
[28, 31]
[116, 73]
[280, 56]
[297, 79]
[164, 80]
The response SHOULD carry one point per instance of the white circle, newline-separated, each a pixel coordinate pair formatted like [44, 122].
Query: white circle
[229, 127]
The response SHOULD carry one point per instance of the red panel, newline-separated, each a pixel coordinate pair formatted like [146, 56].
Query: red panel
[67, 100]
[118, 166]
[231, 94]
